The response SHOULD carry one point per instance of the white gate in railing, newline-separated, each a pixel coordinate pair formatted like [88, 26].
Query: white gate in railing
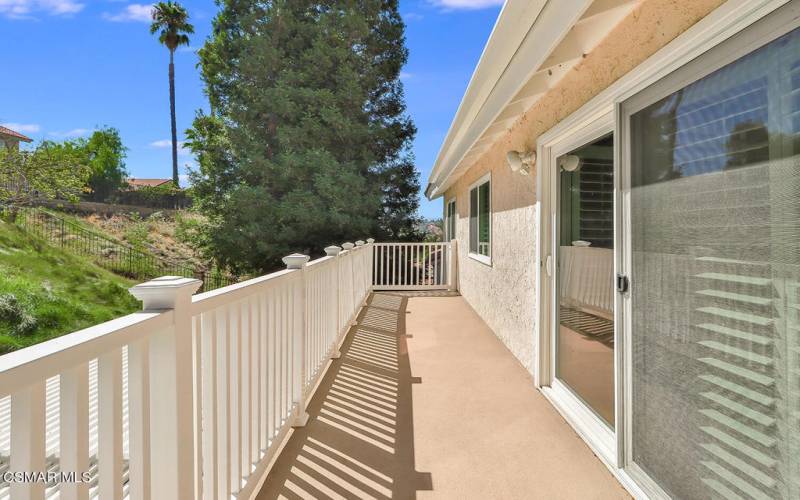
[189, 398]
[414, 266]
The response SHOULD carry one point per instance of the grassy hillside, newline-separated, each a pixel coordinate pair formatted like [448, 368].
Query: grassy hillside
[157, 234]
[45, 293]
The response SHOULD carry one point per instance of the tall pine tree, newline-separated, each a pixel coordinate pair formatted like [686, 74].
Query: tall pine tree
[307, 143]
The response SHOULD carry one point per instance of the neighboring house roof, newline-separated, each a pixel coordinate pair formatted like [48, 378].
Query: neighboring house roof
[11, 133]
[139, 183]
[533, 45]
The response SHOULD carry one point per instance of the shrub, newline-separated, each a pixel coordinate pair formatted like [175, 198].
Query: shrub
[15, 314]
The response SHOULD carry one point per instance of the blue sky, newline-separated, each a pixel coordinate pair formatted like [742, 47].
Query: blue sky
[75, 65]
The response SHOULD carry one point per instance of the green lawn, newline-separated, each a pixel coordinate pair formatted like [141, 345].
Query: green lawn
[45, 292]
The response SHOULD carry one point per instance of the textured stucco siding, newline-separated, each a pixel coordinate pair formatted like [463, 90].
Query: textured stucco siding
[504, 294]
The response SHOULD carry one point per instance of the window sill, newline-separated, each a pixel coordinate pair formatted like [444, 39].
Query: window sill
[483, 259]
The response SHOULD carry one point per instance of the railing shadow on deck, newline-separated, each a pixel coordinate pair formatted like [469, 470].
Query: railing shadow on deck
[359, 441]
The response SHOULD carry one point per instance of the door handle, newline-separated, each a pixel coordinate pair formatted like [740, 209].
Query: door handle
[549, 265]
[623, 283]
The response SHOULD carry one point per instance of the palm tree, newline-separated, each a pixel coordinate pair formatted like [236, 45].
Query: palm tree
[170, 21]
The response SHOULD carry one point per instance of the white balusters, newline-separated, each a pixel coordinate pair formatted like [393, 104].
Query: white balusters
[413, 266]
[210, 385]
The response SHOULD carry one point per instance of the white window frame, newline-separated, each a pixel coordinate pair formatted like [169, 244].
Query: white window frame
[723, 23]
[483, 259]
[447, 217]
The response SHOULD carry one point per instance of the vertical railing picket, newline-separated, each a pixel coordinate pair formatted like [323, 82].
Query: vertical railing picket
[223, 404]
[74, 430]
[28, 439]
[210, 442]
[139, 419]
[255, 380]
[109, 428]
[234, 376]
[245, 369]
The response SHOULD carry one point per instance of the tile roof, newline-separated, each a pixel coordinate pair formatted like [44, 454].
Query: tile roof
[9, 132]
[136, 183]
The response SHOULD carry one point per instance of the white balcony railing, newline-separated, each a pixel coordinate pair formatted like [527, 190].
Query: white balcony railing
[192, 396]
[414, 266]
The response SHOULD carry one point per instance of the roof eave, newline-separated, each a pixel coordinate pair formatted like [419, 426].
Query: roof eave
[552, 23]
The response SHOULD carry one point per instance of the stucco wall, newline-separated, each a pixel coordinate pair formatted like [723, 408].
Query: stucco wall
[504, 294]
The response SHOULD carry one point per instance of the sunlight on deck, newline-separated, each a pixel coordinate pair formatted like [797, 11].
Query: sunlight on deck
[473, 426]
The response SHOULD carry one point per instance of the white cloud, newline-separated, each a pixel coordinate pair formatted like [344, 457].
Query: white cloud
[167, 144]
[136, 12]
[404, 75]
[412, 16]
[76, 132]
[29, 128]
[466, 4]
[24, 9]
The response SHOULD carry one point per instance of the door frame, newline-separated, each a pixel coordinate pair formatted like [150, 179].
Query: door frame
[602, 439]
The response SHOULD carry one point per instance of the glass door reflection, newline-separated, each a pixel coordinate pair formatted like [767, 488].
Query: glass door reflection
[585, 334]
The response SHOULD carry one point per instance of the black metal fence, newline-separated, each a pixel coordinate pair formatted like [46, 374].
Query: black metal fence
[111, 254]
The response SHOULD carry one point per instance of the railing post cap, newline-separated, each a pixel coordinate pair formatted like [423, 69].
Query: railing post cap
[360, 243]
[348, 246]
[332, 250]
[295, 261]
[163, 292]
[370, 240]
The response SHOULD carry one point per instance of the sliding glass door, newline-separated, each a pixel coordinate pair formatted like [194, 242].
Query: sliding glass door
[714, 237]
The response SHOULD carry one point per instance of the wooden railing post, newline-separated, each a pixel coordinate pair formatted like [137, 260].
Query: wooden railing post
[333, 251]
[299, 340]
[171, 391]
[452, 271]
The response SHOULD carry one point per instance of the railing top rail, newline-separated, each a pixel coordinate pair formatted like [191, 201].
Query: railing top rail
[26, 366]
[207, 301]
[320, 261]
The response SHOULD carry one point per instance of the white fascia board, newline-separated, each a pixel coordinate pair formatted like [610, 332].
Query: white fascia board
[478, 110]
[513, 23]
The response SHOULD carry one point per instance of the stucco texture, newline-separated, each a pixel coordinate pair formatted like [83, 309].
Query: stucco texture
[504, 294]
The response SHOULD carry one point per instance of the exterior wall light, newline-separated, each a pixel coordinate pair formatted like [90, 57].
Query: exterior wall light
[521, 162]
[569, 163]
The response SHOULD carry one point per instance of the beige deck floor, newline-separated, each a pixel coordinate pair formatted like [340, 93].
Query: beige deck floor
[425, 402]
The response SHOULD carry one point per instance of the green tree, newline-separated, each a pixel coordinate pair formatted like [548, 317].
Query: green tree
[105, 156]
[51, 171]
[171, 22]
[308, 140]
